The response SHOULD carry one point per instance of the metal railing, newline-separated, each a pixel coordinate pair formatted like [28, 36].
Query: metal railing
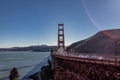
[83, 58]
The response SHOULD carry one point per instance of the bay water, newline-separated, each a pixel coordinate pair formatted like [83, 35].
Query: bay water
[23, 61]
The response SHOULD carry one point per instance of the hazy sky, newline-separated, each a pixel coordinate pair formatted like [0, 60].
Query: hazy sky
[33, 22]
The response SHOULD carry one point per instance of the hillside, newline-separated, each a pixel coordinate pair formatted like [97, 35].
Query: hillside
[38, 48]
[101, 42]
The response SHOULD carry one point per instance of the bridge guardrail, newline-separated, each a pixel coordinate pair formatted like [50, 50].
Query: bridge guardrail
[110, 62]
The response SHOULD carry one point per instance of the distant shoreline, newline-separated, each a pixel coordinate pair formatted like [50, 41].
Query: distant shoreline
[23, 51]
[29, 49]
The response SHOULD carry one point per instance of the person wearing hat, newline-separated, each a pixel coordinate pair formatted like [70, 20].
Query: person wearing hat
[14, 75]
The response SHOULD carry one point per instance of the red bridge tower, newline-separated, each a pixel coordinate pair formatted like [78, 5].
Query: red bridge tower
[61, 41]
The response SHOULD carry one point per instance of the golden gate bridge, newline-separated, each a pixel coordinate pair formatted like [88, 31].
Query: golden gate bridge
[71, 66]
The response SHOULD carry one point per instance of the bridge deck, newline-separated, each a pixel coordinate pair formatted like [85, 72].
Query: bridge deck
[84, 68]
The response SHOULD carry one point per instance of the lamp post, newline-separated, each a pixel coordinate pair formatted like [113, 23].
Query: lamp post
[116, 52]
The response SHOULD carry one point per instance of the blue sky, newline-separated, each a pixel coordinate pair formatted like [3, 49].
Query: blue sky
[33, 22]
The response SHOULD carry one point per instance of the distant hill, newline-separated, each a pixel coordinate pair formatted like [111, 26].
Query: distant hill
[38, 48]
[101, 42]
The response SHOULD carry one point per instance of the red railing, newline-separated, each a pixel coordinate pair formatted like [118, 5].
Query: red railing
[104, 61]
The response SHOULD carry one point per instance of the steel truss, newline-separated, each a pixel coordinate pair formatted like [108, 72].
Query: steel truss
[77, 69]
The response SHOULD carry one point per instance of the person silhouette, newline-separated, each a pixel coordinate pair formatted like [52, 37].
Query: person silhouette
[14, 75]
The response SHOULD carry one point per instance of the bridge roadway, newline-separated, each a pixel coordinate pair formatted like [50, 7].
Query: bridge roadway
[74, 67]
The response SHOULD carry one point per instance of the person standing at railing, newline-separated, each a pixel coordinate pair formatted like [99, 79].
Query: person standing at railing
[14, 75]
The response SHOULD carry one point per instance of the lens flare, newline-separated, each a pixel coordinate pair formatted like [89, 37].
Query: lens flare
[94, 22]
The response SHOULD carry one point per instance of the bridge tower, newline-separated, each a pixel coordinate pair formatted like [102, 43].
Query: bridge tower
[61, 40]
